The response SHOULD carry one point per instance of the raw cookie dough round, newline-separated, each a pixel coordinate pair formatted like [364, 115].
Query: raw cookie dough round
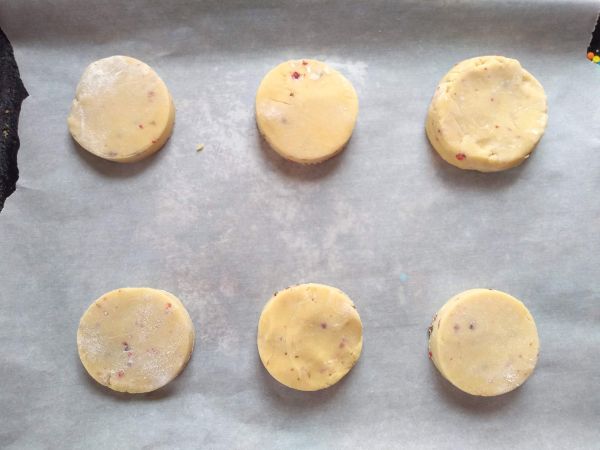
[309, 336]
[487, 114]
[135, 339]
[122, 110]
[306, 110]
[484, 342]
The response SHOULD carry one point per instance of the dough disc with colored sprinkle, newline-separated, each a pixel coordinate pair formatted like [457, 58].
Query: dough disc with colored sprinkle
[135, 339]
[487, 114]
[309, 336]
[484, 342]
[306, 110]
[122, 110]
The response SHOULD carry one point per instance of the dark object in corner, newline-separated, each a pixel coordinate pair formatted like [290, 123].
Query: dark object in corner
[594, 47]
[12, 94]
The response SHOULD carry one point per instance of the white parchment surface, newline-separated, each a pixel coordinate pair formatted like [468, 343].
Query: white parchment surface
[387, 221]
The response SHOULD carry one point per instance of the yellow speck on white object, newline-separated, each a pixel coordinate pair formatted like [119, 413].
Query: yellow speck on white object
[487, 114]
[199, 147]
[306, 111]
[135, 339]
[309, 336]
[484, 342]
[122, 110]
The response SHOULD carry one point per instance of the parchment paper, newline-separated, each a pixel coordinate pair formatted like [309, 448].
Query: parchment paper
[387, 221]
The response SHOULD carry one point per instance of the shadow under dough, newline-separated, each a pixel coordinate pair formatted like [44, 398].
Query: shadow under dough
[469, 179]
[285, 399]
[111, 169]
[469, 404]
[291, 169]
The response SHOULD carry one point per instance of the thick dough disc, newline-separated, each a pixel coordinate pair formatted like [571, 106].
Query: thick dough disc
[135, 339]
[487, 114]
[306, 110]
[122, 110]
[309, 336]
[484, 342]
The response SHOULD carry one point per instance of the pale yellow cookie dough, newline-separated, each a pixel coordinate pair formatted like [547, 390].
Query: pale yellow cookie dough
[122, 110]
[306, 110]
[309, 336]
[135, 339]
[487, 114]
[484, 342]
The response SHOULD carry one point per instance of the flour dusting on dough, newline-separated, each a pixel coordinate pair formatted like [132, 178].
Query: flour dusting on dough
[135, 339]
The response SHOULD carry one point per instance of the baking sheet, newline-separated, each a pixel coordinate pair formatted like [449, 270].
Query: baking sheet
[387, 221]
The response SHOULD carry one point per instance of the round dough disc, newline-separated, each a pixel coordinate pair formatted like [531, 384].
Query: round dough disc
[122, 110]
[487, 114]
[135, 339]
[306, 110]
[484, 342]
[309, 336]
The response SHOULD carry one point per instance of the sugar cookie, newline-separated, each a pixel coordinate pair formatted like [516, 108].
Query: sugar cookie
[135, 339]
[487, 114]
[309, 336]
[484, 342]
[306, 110]
[122, 110]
